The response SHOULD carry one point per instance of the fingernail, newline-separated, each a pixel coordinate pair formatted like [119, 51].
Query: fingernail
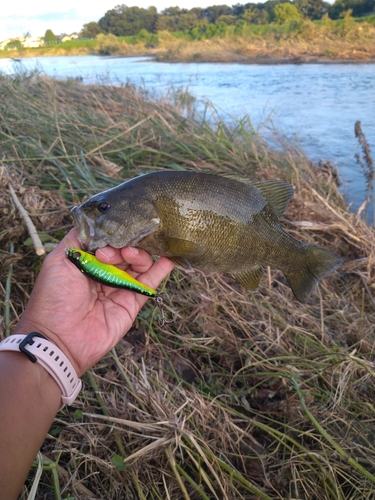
[106, 253]
[134, 250]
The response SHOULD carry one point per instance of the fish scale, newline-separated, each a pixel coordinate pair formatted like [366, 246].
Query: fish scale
[219, 222]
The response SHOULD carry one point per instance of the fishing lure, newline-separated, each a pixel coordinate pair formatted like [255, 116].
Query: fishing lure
[110, 275]
[107, 274]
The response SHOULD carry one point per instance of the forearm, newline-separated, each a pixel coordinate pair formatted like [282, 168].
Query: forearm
[84, 320]
[29, 401]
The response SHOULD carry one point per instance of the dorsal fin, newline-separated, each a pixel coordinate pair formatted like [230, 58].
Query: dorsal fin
[277, 192]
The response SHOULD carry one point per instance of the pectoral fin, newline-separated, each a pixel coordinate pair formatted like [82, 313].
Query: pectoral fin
[181, 251]
[181, 262]
[249, 279]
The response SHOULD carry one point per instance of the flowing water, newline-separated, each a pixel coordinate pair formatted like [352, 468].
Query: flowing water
[315, 105]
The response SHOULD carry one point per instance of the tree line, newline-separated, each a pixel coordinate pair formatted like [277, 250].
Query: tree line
[128, 21]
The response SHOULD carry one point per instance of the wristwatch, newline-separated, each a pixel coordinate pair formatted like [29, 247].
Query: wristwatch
[38, 349]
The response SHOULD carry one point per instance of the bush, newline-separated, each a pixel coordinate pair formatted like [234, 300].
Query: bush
[107, 44]
[286, 13]
[149, 39]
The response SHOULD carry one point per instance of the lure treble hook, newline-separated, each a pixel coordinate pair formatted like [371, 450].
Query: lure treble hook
[160, 305]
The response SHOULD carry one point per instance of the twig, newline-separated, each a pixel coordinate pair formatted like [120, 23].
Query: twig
[104, 408]
[127, 380]
[65, 475]
[372, 300]
[116, 433]
[45, 464]
[38, 245]
[38, 475]
[172, 463]
[7, 294]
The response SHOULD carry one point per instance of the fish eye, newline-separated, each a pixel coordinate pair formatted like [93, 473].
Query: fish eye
[104, 206]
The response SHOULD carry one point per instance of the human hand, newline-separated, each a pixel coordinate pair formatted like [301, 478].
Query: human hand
[82, 317]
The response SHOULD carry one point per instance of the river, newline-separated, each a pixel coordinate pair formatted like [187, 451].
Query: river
[313, 105]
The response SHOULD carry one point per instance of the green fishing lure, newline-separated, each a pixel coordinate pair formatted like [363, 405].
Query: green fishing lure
[107, 274]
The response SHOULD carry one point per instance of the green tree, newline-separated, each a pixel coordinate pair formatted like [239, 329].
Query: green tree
[285, 13]
[173, 11]
[359, 8]
[255, 15]
[164, 23]
[238, 10]
[312, 9]
[125, 21]
[49, 37]
[91, 30]
[269, 7]
[198, 12]
[176, 19]
[214, 12]
[228, 20]
[187, 21]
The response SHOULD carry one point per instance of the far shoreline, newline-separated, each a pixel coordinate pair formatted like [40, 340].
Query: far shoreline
[159, 58]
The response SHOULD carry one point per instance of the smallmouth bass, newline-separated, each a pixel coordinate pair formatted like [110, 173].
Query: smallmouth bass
[215, 222]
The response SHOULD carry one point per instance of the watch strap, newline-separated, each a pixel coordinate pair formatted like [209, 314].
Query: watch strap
[38, 349]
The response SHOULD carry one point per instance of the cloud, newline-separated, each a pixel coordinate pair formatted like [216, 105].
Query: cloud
[67, 21]
[50, 16]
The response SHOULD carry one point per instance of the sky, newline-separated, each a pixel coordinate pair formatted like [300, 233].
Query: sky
[36, 16]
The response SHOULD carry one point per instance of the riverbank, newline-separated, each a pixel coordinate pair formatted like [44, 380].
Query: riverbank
[283, 51]
[241, 395]
[216, 54]
[331, 42]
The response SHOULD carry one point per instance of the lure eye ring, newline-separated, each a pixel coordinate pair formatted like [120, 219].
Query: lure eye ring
[103, 206]
[76, 255]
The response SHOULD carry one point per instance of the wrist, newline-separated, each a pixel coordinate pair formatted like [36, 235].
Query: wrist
[40, 351]
[25, 326]
[31, 379]
[30, 399]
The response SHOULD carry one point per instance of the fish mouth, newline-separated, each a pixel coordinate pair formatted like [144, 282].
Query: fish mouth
[92, 236]
[86, 230]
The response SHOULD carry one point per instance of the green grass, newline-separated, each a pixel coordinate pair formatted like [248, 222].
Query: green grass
[243, 396]
[77, 44]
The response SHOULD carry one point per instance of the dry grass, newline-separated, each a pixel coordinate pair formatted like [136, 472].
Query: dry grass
[311, 43]
[243, 396]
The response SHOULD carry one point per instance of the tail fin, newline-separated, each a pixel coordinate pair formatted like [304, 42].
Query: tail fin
[319, 263]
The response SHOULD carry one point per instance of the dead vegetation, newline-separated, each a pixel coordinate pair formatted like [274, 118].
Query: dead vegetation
[243, 396]
[311, 46]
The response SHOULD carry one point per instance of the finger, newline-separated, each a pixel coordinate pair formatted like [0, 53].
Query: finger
[109, 255]
[57, 265]
[157, 273]
[69, 241]
[139, 260]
